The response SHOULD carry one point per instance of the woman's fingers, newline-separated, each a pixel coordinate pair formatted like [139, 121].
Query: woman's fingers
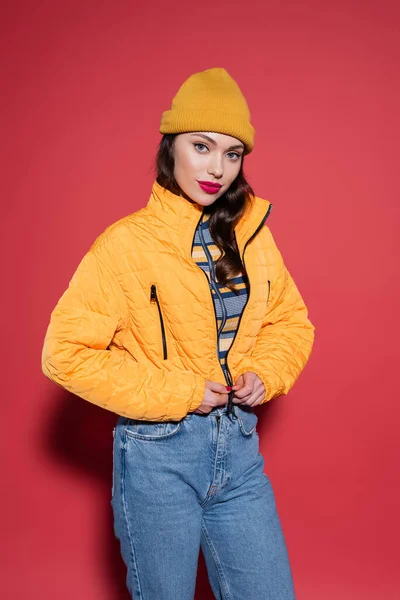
[257, 398]
[251, 393]
[245, 391]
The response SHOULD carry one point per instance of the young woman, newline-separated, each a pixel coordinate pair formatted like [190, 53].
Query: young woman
[182, 318]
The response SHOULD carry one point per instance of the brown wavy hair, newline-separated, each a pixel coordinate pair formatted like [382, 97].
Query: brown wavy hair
[225, 212]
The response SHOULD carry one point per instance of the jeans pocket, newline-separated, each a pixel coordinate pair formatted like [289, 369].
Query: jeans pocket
[247, 420]
[151, 430]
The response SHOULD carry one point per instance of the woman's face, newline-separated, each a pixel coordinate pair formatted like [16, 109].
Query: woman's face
[207, 157]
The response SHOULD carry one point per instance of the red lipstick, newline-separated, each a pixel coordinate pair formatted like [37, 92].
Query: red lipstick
[209, 187]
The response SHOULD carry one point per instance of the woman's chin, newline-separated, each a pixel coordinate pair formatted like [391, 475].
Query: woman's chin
[201, 197]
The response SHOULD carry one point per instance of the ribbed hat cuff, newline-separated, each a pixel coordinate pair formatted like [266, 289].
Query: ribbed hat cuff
[183, 121]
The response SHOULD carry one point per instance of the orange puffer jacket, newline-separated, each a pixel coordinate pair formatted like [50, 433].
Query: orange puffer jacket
[111, 343]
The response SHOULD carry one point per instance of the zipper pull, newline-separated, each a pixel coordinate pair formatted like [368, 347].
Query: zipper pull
[230, 411]
[153, 293]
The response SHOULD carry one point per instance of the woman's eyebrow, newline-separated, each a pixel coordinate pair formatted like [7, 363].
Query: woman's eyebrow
[215, 143]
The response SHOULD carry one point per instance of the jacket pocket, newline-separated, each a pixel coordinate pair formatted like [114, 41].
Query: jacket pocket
[154, 299]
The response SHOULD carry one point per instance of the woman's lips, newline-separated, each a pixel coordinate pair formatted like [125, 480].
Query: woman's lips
[209, 188]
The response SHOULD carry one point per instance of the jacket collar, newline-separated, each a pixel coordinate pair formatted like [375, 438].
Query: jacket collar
[181, 216]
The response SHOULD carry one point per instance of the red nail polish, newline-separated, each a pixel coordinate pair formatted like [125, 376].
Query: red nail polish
[229, 388]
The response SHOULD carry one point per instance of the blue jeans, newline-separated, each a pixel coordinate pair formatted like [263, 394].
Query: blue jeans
[179, 485]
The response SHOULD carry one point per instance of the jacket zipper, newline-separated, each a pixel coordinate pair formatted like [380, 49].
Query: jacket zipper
[154, 298]
[209, 287]
[213, 284]
[230, 401]
[230, 380]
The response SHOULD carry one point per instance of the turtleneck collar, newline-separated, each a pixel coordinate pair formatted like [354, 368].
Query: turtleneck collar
[170, 206]
[182, 215]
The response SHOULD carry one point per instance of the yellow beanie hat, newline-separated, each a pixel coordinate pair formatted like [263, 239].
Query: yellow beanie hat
[210, 101]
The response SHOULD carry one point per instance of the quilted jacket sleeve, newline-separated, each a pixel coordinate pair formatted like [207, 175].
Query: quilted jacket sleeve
[285, 341]
[76, 353]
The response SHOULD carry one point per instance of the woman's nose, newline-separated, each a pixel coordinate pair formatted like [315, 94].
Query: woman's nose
[216, 168]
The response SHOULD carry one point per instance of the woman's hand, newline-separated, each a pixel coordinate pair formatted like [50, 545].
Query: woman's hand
[215, 394]
[251, 391]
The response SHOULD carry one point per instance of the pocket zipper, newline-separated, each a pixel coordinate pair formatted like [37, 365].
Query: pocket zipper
[154, 298]
[269, 290]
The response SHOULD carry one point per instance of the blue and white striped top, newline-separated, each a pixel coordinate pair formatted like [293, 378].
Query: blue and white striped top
[228, 306]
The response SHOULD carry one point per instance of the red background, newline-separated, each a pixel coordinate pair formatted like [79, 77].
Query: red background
[84, 84]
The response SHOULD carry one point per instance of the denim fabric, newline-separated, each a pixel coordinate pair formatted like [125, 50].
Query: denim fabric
[179, 485]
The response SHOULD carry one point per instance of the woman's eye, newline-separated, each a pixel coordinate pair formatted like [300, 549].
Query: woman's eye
[234, 155]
